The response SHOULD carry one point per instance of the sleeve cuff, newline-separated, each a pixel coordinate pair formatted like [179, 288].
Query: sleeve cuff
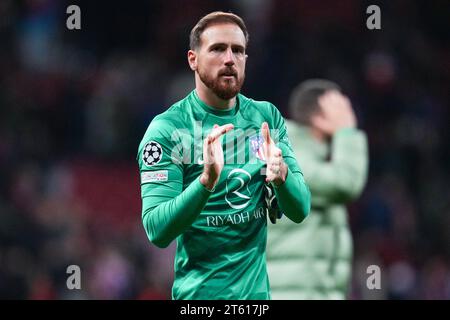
[346, 131]
[288, 182]
[203, 188]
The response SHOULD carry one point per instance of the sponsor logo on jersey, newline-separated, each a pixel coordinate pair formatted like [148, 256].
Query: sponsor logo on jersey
[238, 194]
[236, 218]
[154, 176]
[152, 153]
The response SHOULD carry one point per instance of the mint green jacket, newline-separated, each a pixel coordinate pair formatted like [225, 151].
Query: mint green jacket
[312, 260]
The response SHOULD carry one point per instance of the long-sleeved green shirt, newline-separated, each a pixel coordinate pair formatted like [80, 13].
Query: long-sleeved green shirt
[221, 234]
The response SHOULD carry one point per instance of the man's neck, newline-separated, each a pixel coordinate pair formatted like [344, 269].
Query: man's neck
[211, 99]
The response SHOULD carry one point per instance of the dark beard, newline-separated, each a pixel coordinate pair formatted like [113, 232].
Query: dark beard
[224, 92]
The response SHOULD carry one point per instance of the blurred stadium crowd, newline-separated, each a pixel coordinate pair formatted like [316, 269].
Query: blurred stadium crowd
[75, 104]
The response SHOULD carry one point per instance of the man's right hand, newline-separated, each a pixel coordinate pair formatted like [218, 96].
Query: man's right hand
[213, 156]
[336, 113]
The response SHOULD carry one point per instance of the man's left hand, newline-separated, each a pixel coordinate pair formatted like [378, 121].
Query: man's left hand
[276, 167]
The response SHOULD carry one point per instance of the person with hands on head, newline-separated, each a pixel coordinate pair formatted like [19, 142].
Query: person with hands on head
[333, 154]
[213, 202]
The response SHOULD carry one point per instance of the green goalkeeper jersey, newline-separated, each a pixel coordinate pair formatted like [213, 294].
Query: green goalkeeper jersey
[221, 234]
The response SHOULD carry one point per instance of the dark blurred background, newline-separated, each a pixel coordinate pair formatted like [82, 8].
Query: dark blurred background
[74, 106]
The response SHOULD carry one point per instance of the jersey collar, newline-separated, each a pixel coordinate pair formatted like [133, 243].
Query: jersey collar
[229, 112]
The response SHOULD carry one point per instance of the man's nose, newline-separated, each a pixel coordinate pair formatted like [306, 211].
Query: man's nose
[229, 57]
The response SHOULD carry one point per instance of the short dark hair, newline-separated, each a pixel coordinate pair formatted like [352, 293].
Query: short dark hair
[213, 18]
[303, 102]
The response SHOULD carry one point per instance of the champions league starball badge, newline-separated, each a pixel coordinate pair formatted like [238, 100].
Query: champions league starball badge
[152, 153]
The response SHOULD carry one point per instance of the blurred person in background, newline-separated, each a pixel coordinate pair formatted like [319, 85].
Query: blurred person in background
[215, 208]
[313, 260]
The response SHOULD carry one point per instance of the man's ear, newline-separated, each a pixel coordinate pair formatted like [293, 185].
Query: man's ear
[192, 59]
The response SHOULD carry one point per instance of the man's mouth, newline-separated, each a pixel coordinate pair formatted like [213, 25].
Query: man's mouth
[228, 74]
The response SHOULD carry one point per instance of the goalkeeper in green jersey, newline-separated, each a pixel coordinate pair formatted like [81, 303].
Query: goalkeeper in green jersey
[205, 165]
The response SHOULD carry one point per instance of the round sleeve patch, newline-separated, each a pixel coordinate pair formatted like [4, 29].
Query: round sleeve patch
[152, 153]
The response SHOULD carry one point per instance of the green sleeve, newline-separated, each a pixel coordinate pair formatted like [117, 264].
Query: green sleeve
[343, 177]
[168, 219]
[294, 197]
[167, 209]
